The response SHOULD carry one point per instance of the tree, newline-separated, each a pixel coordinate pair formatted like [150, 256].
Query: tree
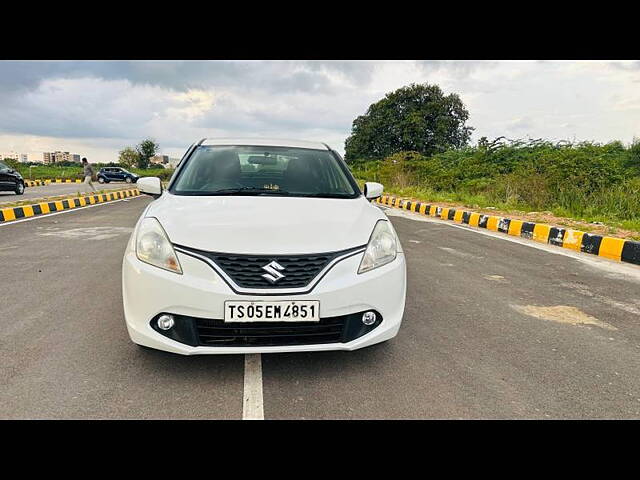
[419, 118]
[11, 163]
[145, 150]
[128, 157]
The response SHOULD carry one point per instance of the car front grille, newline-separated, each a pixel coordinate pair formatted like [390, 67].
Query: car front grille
[247, 271]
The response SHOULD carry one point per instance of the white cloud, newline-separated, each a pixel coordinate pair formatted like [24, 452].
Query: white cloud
[97, 108]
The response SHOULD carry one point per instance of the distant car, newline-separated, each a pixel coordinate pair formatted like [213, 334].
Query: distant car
[116, 174]
[10, 180]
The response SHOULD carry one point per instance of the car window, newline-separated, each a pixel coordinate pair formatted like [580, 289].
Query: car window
[3, 167]
[258, 170]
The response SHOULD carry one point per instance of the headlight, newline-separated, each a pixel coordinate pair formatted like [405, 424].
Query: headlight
[382, 247]
[153, 246]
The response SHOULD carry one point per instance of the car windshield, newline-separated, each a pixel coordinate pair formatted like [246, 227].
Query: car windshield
[257, 170]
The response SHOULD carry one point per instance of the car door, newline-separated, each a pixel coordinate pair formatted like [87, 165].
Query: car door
[6, 182]
[110, 174]
[119, 174]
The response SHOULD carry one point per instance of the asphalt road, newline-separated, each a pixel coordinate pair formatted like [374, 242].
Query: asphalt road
[493, 329]
[58, 189]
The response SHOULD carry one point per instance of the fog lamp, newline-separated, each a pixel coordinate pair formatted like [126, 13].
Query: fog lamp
[165, 322]
[369, 318]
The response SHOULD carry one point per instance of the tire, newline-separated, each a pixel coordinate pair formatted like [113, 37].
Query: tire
[100, 180]
[19, 188]
[128, 179]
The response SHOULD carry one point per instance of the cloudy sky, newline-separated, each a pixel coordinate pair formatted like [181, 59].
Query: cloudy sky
[95, 108]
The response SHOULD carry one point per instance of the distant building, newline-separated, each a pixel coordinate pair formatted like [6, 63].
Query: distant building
[173, 162]
[20, 157]
[61, 157]
[51, 157]
[159, 159]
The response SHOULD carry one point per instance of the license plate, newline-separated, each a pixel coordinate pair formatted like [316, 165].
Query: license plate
[263, 311]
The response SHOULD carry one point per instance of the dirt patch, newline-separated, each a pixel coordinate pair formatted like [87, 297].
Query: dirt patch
[562, 314]
[88, 233]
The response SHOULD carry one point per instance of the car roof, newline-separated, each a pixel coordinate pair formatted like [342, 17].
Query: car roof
[264, 142]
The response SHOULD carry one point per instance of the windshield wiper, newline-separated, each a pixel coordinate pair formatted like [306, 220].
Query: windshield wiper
[324, 195]
[267, 191]
[248, 191]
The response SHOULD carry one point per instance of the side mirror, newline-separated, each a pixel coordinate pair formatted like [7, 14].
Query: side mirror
[373, 190]
[150, 185]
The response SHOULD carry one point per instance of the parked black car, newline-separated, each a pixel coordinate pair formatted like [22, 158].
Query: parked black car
[116, 174]
[10, 180]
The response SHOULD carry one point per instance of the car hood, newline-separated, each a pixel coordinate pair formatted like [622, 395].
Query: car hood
[265, 225]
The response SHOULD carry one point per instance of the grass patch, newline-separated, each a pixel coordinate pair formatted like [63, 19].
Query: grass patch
[41, 172]
[562, 217]
[595, 184]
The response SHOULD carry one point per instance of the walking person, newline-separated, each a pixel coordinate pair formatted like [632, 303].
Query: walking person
[88, 173]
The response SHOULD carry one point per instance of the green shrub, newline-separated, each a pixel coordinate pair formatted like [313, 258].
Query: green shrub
[581, 180]
[163, 173]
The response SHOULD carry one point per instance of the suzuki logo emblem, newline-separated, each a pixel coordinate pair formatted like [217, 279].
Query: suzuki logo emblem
[273, 275]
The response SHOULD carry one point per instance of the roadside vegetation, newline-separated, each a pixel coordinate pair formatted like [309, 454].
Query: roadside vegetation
[584, 181]
[427, 156]
[134, 159]
[73, 171]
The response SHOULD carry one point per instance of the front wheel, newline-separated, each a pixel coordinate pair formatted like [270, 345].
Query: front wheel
[100, 180]
[128, 179]
[19, 188]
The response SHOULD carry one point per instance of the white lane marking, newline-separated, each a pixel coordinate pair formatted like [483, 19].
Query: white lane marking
[627, 270]
[252, 406]
[495, 278]
[28, 219]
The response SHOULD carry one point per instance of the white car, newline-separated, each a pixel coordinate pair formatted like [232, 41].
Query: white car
[262, 246]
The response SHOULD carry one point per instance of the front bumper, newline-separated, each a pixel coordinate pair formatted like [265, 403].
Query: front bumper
[200, 293]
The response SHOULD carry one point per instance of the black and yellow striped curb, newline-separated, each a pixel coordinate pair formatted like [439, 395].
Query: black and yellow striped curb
[16, 213]
[608, 247]
[47, 181]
